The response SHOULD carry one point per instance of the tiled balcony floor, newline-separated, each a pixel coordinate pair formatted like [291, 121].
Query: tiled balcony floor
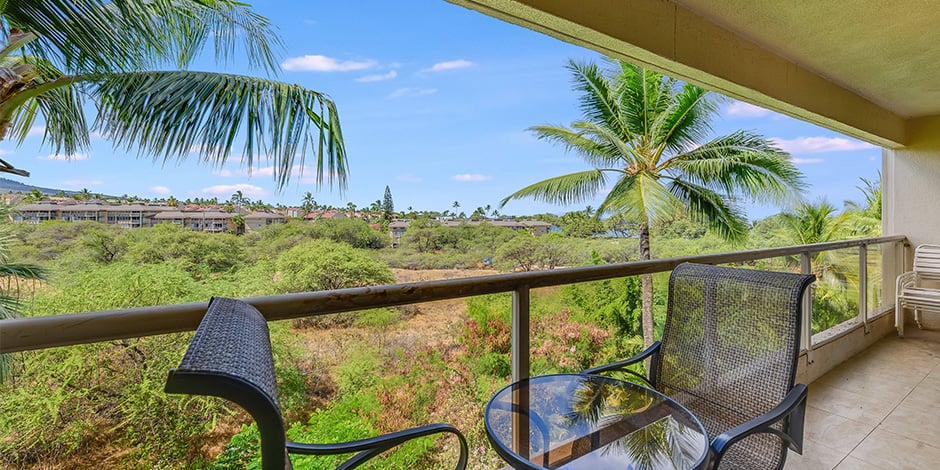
[879, 410]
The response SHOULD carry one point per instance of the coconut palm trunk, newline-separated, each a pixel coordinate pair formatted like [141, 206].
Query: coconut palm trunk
[646, 288]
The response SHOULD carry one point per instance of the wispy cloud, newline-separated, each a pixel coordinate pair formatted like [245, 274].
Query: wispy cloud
[378, 77]
[449, 65]
[471, 178]
[321, 63]
[807, 161]
[5, 152]
[63, 157]
[161, 190]
[223, 172]
[81, 183]
[409, 178]
[801, 145]
[229, 189]
[402, 92]
[742, 109]
[36, 130]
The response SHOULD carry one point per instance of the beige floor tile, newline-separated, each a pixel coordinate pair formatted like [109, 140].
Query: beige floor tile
[852, 463]
[886, 450]
[833, 431]
[915, 417]
[892, 384]
[869, 409]
[815, 457]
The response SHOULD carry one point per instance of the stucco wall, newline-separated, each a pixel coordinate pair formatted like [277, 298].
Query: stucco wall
[912, 185]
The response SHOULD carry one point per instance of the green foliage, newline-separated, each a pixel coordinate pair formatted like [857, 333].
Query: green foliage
[324, 265]
[528, 253]
[199, 253]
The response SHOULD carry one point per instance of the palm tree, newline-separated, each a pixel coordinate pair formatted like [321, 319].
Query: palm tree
[837, 285]
[308, 204]
[646, 135]
[58, 55]
[866, 218]
[13, 274]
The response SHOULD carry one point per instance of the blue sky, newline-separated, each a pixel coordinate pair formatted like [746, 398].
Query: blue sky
[435, 101]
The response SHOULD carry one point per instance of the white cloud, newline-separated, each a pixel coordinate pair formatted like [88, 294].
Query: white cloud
[378, 77]
[81, 183]
[320, 63]
[5, 152]
[449, 65]
[401, 92]
[472, 178]
[161, 190]
[742, 109]
[807, 161]
[820, 144]
[224, 173]
[409, 178]
[63, 157]
[229, 189]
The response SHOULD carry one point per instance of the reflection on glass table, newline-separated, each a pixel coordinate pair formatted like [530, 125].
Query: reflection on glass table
[586, 421]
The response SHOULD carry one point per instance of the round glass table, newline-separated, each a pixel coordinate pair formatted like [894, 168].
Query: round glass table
[573, 421]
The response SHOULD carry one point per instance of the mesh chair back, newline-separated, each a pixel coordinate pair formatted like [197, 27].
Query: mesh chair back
[729, 351]
[230, 357]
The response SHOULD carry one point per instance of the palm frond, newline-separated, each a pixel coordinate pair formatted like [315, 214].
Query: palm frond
[594, 152]
[61, 109]
[687, 122]
[742, 163]
[86, 36]
[22, 271]
[711, 208]
[566, 189]
[169, 114]
[644, 95]
[617, 152]
[640, 197]
[599, 103]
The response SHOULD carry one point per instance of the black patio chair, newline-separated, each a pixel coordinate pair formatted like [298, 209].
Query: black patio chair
[729, 354]
[230, 357]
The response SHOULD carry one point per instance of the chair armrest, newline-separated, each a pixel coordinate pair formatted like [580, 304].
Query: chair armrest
[368, 448]
[793, 407]
[908, 279]
[620, 365]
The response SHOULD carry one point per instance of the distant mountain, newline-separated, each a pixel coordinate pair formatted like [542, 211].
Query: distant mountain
[17, 187]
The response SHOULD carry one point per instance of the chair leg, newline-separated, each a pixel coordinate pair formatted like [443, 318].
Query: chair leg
[917, 318]
[899, 318]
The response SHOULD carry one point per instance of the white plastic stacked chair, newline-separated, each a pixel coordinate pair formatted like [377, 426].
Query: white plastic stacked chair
[919, 289]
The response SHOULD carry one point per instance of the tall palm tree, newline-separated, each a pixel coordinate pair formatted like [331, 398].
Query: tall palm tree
[56, 56]
[646, 135]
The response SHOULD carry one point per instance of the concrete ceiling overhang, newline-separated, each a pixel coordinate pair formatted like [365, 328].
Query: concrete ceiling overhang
[866, 68]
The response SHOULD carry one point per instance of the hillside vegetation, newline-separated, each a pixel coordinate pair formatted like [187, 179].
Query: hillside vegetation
[343, 376]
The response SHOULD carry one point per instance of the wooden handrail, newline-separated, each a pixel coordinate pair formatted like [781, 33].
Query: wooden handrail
[21, 334]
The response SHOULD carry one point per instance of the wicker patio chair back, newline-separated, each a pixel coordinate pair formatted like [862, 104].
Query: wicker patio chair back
[729, 351]
[230, 357]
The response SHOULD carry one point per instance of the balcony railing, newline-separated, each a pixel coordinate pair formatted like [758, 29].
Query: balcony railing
[23, 334]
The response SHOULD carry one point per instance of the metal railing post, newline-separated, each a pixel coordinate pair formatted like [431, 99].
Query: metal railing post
[863, 287]
[520, 333]
[806, 267]
[520, 368]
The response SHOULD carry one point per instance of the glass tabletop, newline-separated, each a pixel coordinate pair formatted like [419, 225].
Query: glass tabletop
[575, 421]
